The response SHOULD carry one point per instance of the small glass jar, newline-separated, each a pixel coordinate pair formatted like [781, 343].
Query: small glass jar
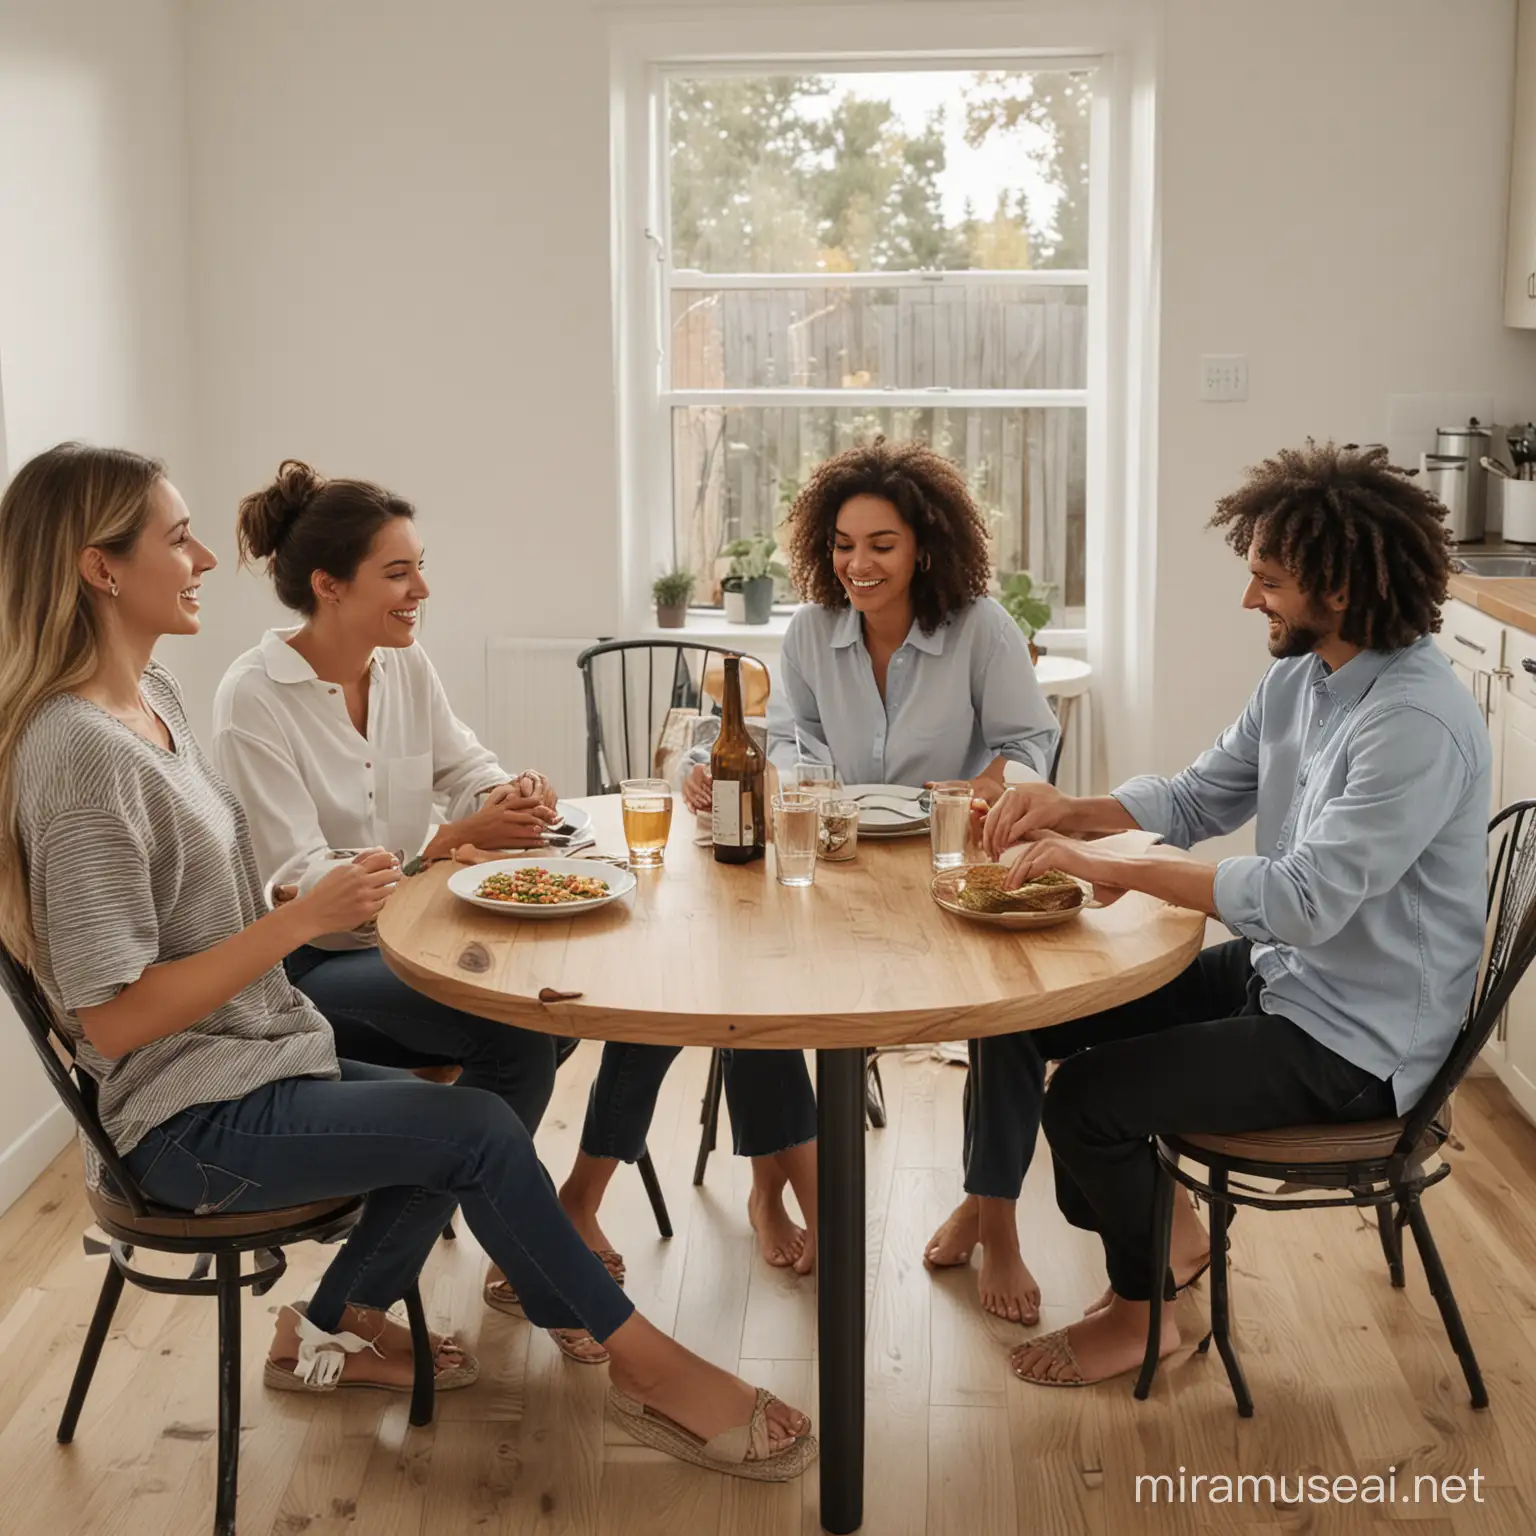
[837, 829]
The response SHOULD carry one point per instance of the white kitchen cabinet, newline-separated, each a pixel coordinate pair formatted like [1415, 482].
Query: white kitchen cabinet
[1520, 262]
[1475, 645]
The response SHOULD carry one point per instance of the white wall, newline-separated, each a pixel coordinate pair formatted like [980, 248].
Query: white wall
[94, 315]
[402, 255]
[1334, 178]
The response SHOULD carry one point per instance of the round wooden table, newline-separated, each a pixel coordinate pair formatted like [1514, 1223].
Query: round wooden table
[723, 955]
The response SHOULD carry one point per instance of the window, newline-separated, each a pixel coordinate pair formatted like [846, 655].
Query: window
[902, 252]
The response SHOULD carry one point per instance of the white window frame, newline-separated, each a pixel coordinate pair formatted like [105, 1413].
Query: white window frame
[1121, 396]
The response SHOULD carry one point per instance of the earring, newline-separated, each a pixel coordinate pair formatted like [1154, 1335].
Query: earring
[924, 560]
[112, 585]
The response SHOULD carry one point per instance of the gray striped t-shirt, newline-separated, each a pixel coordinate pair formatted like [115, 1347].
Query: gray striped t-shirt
[135, 856]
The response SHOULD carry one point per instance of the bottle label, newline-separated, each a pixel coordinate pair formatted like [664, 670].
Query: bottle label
[726, 816]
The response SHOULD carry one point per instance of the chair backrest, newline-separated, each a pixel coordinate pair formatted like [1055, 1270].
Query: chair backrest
[72, 1085]
[1509, 948]
[631, 684]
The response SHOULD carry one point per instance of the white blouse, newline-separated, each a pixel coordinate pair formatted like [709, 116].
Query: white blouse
[283, 740]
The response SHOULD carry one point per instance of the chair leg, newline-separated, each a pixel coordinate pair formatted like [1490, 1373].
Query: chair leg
[1440, 1289]
[653, 1193]
[1221, 1215]
[1162, 1242]
[874, 1092]
[709, 1116]
[228, 1271]
[95, 1337]
[424, 1382]
[1391, 1243]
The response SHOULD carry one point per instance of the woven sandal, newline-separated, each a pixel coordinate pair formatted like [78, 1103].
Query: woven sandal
[738, 1452]
[1058, 1352]
[322, 1362]
[501, 1296]
[569, 1341]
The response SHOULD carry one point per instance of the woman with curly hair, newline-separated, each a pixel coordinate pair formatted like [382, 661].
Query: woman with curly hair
[900, 669]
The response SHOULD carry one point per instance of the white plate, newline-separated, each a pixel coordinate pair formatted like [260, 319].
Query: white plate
[887, 810]
[465, 884]
[572, 815]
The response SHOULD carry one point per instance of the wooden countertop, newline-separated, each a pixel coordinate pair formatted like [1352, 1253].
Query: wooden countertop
[1510, 600]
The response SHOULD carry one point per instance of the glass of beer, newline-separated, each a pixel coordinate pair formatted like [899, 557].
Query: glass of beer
[647, 807]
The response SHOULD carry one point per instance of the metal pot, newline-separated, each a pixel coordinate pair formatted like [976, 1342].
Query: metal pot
[1445, 477]
[1471, 443]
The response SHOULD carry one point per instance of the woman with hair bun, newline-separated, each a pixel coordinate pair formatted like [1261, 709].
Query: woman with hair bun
[129, 889]
[337, 736]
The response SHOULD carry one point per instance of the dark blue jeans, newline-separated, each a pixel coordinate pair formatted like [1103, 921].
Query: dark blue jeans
[416, 1150]
[377, 1018]
[769, 1095]
[1004, 1092]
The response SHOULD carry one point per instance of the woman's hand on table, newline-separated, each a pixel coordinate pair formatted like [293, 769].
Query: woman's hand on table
[506, 820]
[530, 785]
[698, 789]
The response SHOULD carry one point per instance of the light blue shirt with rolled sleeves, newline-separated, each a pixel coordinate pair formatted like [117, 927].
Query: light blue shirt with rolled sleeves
[954, 700]
[1366, 895]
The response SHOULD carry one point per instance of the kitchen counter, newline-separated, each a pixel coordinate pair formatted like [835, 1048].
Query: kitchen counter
[1510, 600]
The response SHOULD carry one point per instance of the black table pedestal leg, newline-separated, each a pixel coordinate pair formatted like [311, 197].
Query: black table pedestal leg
[840, 1296]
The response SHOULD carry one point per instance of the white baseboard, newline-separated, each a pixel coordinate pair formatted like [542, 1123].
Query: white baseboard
[31, 1152]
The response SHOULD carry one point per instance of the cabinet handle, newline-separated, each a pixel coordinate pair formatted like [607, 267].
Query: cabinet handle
[1471, 645]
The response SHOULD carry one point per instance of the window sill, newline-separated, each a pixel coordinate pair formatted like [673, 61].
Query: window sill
[709, 625]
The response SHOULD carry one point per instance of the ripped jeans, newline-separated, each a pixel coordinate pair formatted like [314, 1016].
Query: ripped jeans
[416, 1150]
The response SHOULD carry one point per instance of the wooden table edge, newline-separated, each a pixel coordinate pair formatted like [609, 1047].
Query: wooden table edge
[800, 1030]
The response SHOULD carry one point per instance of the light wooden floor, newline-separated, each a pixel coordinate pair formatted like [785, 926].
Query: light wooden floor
[1349, 1377]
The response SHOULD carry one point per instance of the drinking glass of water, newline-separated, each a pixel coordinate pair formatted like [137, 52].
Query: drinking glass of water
[794, 837]
[647, 809]
[817, 778]
[949, 822]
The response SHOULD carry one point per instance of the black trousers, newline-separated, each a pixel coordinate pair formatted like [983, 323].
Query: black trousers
[1197, 1055]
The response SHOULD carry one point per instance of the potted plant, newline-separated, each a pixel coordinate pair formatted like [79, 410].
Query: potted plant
[671, 592]
[1028, 606]
[753, 572]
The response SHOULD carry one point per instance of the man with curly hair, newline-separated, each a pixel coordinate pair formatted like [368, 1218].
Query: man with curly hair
[1359, 916]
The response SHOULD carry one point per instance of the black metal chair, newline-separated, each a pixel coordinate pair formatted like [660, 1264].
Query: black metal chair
[611, 673]
[132, 1221]
[1378, 1164]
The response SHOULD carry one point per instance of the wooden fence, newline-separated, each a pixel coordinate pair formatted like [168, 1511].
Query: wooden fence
[733, 467]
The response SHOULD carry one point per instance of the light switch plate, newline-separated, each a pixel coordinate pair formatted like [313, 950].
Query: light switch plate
[1224, 377]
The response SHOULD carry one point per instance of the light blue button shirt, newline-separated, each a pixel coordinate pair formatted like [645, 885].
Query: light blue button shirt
[1365, 899]
[954, 700]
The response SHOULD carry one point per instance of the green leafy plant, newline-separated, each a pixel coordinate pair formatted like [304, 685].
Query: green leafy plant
[1028, 605]
[751, 558]
[673, 589]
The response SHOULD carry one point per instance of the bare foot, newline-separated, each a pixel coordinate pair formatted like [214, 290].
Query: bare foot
[1109, 1343]
[657, 1371]
[1006, 1287]
[780, 1239]
[798, 1166]
[950, 1247]
[1189, 1253]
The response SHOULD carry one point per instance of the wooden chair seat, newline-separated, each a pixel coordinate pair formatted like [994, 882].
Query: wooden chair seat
[116, 1219]
[1366, 1141]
